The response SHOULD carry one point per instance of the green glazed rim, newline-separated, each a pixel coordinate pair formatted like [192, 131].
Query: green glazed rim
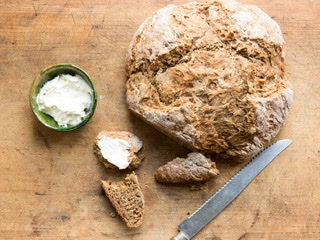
[48, 74]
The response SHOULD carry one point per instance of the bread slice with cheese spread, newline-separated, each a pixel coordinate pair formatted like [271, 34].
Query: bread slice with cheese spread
[118, 149]
[127, 198]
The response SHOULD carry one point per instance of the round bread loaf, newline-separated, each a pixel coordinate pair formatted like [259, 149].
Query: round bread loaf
[211, 76]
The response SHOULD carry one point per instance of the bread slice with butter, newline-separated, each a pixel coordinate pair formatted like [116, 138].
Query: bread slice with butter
[118, 150]
[127, 198]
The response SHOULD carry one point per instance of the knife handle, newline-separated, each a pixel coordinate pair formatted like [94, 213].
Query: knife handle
[181, 236]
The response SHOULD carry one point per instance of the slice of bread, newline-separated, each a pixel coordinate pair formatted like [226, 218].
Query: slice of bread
[193, 169]
[127, 198]
[135, 151]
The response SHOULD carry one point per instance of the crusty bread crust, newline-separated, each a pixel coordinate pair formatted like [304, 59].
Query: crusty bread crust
[211, 76]
[135, 157]
[193, 169]
[127, 198]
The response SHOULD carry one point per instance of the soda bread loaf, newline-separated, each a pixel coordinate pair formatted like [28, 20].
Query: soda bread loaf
[193, 169]
[211, 76]
[127, 198]
[131, 147]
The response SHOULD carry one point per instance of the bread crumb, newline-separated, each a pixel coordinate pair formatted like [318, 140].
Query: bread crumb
[196, 187]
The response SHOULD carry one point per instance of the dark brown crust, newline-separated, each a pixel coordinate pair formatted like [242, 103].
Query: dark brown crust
[136, 156]
[197, 76]
[127, 198]
[193, 169]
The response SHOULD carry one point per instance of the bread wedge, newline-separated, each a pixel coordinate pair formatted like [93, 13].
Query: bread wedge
[193, 169]
[127, 198]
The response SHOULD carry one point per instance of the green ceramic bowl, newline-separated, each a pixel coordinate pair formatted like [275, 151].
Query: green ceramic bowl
[48, 74]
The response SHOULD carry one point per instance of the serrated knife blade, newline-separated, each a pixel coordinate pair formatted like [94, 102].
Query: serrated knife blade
[228, 192]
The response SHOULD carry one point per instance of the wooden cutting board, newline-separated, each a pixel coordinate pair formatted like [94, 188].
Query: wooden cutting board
[50, 181]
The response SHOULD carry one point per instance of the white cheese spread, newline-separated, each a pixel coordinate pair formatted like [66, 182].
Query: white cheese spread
[65, 98]
[115, 151]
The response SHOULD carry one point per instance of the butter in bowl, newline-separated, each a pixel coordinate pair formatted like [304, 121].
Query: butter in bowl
[63, 97]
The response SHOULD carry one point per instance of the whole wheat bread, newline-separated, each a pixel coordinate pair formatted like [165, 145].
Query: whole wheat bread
[127, 198]
[135, 156]
[193, 169]
[211, 76]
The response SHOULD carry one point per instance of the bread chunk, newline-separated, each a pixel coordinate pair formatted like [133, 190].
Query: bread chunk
[193, 169]
[211, 76]
[132, 151]
[127, 198]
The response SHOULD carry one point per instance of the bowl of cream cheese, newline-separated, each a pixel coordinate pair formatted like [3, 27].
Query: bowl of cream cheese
[63, 97]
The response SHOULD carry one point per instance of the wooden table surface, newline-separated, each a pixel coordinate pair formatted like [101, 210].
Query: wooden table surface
[50, 181]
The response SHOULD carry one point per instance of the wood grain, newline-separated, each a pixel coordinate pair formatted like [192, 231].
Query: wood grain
[49, 181]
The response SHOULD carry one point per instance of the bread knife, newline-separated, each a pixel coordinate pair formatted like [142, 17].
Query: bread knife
[228, 192]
